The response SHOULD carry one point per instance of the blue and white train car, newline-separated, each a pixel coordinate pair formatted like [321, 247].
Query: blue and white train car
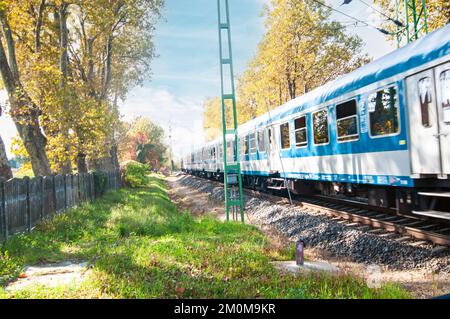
[381, 131]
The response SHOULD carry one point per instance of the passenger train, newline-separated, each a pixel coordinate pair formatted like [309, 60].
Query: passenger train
[380, 133]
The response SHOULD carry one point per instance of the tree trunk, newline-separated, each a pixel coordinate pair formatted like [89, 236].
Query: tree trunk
[5, 169]
[81, 163]
[114, 157]
[34, 142]
[28, 126]
[108, 66]
[38, 27]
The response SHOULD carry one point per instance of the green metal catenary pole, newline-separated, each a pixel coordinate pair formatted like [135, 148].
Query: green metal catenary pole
[416, 23]
[234, 199]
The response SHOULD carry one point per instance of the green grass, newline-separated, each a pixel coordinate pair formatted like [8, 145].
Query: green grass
[141, 246]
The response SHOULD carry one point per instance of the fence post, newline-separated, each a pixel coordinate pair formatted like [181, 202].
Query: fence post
[72, 200]
[42, 188]
[54, 192]
[65, 191]
[78, 188]
[91, 182]
[2, 209]
[27, 186]
[4, 215]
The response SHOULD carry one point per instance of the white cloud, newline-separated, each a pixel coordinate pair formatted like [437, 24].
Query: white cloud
[184, 115]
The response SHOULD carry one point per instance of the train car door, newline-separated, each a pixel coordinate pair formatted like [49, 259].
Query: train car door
[274, 156]
[442, 76]
[429, 122]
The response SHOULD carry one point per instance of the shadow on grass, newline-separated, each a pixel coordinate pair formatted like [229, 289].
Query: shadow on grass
[84, 232]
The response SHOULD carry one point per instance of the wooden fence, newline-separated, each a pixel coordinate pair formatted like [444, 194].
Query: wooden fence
[25, 202]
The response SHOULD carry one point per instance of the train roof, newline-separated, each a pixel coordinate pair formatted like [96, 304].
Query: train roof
[419, 52]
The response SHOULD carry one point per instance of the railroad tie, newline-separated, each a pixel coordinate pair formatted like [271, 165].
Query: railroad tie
[388, 235]
[376, 231]
[419, 243]
[352, 224]
[404, 238]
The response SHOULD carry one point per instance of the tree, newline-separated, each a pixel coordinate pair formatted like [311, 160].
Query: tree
[24, 112]
[114, 51]
[212, 117]
[144, 143]
[66, 64]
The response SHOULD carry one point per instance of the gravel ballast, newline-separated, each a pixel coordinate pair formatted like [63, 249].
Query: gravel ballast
[320, 231]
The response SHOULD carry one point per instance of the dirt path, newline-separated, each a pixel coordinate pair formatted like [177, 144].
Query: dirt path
[51, 276]
[420, 283]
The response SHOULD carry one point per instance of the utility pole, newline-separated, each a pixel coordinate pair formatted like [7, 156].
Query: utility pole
[416, 25]
[171, 147]
[232, 177]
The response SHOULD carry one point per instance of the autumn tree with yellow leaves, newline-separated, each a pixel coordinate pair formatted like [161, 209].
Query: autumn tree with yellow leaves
[65, 65]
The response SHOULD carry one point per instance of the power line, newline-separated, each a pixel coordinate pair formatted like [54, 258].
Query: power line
[397, 22]
[351, 17]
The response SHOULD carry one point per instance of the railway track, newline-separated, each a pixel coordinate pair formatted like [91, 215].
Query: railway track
[381, 221]
[358, 214]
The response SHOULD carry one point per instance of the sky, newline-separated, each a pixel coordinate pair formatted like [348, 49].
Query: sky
[186, 70]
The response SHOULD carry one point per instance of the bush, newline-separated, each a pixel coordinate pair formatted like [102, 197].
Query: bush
[9, 268]
[135, 174]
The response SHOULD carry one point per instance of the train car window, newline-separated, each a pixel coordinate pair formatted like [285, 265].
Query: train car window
[219, 153]
[241, 148]
[246, 145]
[320, 126]
[230, 152]
[252, 143]
[383, 112]
[347, 121]
[445, 92]
[261, 141]
[425, 97]
[284, 136]
[301, 136]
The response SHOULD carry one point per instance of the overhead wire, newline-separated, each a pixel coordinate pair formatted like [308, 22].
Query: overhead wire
[396, 21]
[352, 17]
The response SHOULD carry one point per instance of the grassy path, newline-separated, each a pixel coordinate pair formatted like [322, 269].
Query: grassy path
[140, 246]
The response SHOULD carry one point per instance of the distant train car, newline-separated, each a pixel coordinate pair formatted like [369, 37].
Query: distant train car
[381, 132]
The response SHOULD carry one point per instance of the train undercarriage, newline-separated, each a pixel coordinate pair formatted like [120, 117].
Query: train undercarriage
[429, 200]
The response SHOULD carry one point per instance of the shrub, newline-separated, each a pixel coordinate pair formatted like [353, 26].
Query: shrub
[9, 268]
[135, 174]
